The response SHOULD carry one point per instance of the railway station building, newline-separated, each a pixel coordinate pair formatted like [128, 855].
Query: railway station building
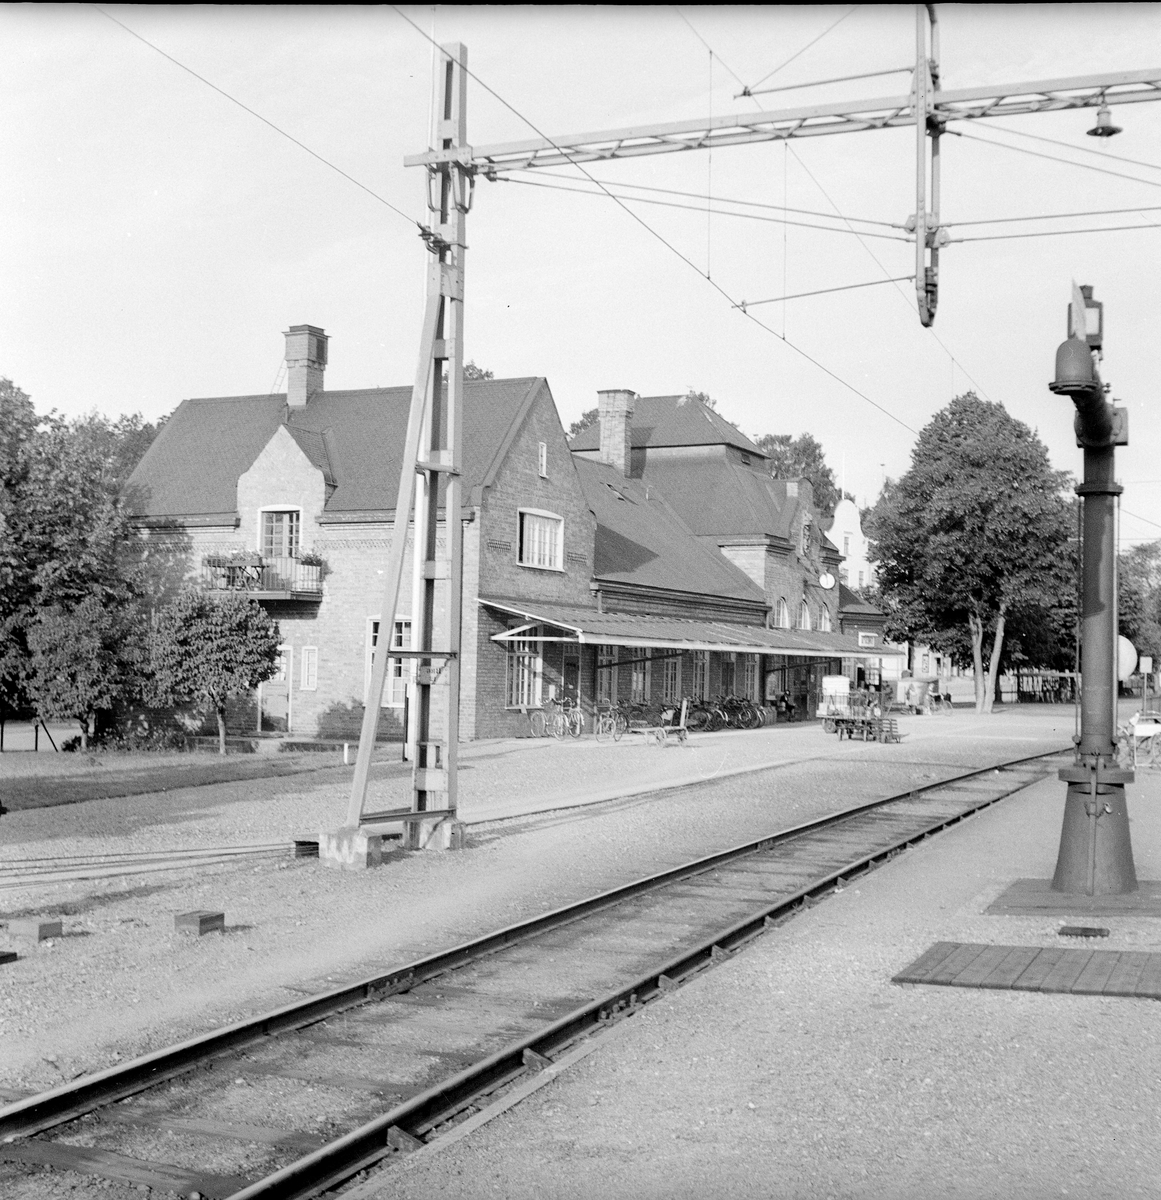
[653, 558]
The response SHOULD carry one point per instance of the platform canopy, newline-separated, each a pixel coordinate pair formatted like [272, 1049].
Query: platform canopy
[587, 627]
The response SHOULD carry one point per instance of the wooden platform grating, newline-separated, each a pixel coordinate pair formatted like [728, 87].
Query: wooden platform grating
[1035, 898]
[1079, 972]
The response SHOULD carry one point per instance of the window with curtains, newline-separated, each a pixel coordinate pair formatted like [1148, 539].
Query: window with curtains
[541, 540]
[280, 533]
[399, 670]
[524, 670]
[700, 674]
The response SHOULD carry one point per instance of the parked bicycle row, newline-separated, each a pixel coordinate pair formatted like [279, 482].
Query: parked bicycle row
[561, 718]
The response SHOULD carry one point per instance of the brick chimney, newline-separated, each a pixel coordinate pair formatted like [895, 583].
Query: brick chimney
[306, 360]
[616, 419]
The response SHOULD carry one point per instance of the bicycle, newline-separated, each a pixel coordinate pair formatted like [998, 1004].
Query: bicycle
[538, 720]
[610, 723]
[566, 718]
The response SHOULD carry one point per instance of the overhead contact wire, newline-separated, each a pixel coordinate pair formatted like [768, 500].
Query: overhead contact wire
[669, 245]
[265, 120]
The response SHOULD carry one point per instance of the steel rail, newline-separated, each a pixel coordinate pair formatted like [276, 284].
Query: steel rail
[1001, 100]
[401, 1127]
[35, 1114]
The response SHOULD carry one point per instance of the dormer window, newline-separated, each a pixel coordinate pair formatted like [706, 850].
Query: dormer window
[280, 532]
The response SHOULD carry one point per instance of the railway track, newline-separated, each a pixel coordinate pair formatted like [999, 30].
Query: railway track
[301, 1099]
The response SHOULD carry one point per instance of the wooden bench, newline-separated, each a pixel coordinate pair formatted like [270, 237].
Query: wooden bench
[887, 730]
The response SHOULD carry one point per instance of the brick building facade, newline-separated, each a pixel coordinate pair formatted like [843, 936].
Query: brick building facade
[578, 567]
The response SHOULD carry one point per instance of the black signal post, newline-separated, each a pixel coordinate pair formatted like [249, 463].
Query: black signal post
[1096, 851]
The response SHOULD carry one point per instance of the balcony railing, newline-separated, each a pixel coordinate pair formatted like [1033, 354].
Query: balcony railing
[263, 578]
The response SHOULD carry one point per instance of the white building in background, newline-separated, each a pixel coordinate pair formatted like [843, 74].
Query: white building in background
[846, 532]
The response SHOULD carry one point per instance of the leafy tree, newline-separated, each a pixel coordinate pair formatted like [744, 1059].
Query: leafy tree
[974, 537]
[471, 371]
[63, 529]
[17, 428]
[204, 649]
[1139, 599]
[802, 458]
[589, 417]
[78, 662]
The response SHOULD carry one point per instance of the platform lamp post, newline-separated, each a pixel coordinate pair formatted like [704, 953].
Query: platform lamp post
[1096, 852]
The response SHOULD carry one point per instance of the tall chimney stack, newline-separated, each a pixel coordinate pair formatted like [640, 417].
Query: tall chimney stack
[306, 360]
[615, 408]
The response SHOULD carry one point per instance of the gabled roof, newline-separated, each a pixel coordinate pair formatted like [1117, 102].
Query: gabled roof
[673, 421]
[641, 540]
[719, 499]
[354, 437]
[852, 603]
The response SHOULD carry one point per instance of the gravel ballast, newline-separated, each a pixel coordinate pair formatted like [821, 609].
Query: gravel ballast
[798, 1069]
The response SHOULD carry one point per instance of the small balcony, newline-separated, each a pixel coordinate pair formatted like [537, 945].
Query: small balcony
[263, 578]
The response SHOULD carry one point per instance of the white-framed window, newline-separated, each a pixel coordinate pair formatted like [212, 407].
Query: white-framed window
[606, 674]
[541, 536]
[782, 614]
[804, 615]
[279, 532]
[700, 674]
[399, 670]
[824, 618]
[846, 544]
[542, 459]
[866, 639]
[642, 676]
[750, 676]
[860, 579]
[525, 670]
[308, 675]
[671, 679]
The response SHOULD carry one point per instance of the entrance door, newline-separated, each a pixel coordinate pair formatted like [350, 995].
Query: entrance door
[571, 677]
[274, 697]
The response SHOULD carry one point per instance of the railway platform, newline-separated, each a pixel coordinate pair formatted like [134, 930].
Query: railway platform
[798, 1069]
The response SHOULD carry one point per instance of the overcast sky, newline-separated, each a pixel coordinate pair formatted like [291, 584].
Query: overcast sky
[156, 239]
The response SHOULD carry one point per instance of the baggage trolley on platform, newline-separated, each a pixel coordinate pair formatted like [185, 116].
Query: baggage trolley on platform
[661, 731]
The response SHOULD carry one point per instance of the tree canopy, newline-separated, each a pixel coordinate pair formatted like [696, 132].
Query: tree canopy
[1139, 601]
[63, 533]
[974, 540]
[203, 649]
[802, 458]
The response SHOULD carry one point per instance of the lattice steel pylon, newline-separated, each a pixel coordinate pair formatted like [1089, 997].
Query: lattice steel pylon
[928, 108]
[433, 454]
